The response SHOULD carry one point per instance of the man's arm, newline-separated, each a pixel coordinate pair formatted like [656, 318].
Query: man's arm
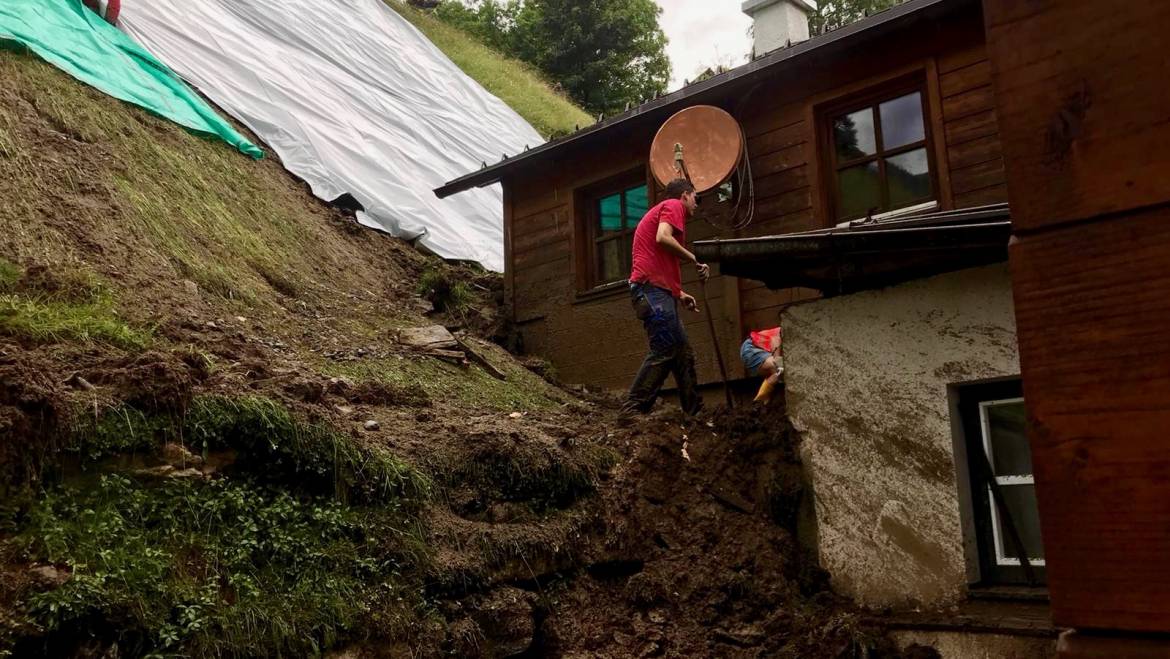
[665, 238]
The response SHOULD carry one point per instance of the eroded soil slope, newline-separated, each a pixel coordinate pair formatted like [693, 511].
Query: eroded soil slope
[213, 443]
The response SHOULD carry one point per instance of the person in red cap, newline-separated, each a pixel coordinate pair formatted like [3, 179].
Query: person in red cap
[656, 292]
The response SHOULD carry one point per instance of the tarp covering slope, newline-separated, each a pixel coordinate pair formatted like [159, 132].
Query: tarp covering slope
[79, 42]
[355, 100]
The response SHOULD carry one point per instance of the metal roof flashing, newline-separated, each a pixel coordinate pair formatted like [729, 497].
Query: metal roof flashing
[770, 63]
[846, 259]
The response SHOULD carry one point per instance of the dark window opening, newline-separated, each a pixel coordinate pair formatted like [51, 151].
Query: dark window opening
[1003, 492]
[880, 155]
[613, 216]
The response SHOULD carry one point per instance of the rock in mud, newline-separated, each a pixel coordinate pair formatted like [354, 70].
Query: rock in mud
[372, 425]
[507, 619]
[48, 576]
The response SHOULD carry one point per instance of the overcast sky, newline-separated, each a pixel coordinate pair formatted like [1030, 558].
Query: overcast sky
[704, 33]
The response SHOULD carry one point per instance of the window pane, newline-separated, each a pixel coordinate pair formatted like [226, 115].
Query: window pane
[637, 204]
[611, 261]
[908, 175]
[902, 121]
[859, 189]
[609, 212]
[1009, 445]
[853, 135]
[1021, 503]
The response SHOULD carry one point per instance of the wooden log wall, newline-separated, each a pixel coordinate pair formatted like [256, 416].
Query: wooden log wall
[1083, 104]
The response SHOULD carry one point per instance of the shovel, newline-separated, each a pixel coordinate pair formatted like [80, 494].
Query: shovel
[715, 343]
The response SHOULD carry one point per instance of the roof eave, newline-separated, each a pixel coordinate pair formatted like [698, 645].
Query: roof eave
[494, 173]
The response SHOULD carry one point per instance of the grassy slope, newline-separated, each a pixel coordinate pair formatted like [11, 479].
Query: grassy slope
[513, 81]
[121, 232]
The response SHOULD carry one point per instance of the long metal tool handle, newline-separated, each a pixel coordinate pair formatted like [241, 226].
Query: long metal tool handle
[715, 343]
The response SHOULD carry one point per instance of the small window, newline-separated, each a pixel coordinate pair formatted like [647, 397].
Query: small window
[880, 154]
[1003, 492]
[613, 216]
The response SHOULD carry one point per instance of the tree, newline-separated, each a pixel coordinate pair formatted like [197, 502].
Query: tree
[605, 54]
[832, 14]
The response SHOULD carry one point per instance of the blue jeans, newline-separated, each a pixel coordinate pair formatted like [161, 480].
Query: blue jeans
[670, 352]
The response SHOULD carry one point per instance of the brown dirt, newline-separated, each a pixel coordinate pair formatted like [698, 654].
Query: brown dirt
[699, 557]
[539, 549]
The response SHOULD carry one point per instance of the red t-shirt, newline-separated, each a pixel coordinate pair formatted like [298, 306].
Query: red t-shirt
[652, 263]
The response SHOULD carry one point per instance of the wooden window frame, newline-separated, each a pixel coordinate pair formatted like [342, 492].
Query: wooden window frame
[993, 570]
[587, 199]
[871, 98]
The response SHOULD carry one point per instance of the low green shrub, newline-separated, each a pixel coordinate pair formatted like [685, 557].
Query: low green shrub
[216, 569]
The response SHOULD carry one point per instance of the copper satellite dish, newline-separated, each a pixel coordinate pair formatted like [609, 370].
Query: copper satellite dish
[702, 143]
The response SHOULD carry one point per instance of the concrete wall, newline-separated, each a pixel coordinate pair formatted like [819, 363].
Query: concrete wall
[866, 378]
[967, 645]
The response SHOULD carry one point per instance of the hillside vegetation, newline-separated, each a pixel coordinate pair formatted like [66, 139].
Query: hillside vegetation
[519, 85]
[215, 441]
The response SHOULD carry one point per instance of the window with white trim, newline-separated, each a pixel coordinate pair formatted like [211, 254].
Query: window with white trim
[1003, 506]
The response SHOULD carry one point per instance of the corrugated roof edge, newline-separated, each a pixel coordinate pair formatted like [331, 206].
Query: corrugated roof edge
[773, 60]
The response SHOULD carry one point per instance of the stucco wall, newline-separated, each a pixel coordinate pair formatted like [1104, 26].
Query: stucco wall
[867, 378]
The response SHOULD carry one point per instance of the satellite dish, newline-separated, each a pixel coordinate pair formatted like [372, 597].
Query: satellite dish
[701, 143]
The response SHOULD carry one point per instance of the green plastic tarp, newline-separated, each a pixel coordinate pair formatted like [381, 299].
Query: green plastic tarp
[79, 42]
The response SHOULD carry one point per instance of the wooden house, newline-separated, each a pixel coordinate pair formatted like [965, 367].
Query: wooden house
[892, 113]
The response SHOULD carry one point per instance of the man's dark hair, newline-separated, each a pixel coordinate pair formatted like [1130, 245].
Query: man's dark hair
[678, 187]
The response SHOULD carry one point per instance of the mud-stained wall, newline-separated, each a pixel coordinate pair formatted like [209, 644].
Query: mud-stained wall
[867, 378]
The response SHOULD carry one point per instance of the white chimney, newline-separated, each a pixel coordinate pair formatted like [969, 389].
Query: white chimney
[778, 23]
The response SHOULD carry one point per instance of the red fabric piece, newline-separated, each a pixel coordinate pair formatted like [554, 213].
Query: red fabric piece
[652, 263]
[112, 7]
[768, 339]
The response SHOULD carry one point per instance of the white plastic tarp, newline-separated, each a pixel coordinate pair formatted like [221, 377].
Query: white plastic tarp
[354, 100]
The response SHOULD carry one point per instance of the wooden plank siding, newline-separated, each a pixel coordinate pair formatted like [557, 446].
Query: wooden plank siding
[1083, 103]
[593, 338]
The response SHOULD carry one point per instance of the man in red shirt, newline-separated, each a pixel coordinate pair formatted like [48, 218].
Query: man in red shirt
[656, 291]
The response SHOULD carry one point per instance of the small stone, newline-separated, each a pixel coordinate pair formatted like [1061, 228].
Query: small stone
[47, 575]
[190, 287]
[186, 473]
[515, 415]
[78, 382]
[211, 324]
[155, 472]
[372, 425]
[178, 455]
[241, 319]
[344, 409]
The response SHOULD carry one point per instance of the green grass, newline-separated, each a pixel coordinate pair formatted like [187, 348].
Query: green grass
[513, 81]
[53, 321]
[186, 203]
[522, 391]
[229, 568]
[272, 444]
[74, 306]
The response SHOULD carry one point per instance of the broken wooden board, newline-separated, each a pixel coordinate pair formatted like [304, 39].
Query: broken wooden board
[434, 337]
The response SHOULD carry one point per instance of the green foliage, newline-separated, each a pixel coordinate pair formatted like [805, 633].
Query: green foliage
[272, 444]
[9, 276]
[521, 391]
[449, 295]
[516, 83]
[202, 211]
[604, 53]
[543, 482]
[45, 320]
[313, 455]
[833, 14]
[219, 569]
